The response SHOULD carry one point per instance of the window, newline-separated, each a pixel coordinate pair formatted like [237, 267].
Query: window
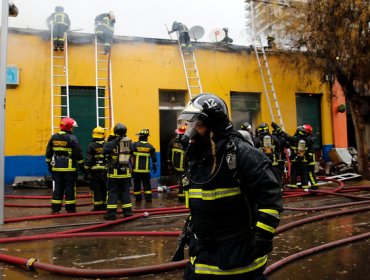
[245, 107]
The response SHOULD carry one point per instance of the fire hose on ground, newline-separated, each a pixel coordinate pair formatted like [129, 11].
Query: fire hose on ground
[34, 264]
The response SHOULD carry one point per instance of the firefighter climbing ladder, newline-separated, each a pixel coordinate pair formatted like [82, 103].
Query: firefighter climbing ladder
[191, 72]
[257, 24]
[59, 84]
[268, 84]
[104, 95]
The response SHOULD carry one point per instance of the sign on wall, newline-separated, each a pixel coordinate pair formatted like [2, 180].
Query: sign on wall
[12, 75]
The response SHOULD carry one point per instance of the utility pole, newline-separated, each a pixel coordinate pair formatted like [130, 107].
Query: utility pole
[13, 11]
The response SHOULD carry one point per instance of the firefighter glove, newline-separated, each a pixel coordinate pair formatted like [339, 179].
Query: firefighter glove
[262, 247]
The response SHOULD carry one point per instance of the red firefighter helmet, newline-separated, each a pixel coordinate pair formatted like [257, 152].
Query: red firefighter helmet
[308, 128]
[181, 130]
[67, 124]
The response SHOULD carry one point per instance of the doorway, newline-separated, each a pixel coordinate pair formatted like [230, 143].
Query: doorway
[309, 112]
[82, 108]
[171, 104]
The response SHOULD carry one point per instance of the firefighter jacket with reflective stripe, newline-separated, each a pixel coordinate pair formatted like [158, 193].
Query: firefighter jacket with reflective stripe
[300, 152]
[59, 18]
[176, 154]
[272, 151]
[103, 20]
[230, 204]
[95, 159]
[115, 169]
[63, 152]
[142, 152]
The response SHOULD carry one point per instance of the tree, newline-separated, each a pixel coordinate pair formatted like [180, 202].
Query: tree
[334, 36]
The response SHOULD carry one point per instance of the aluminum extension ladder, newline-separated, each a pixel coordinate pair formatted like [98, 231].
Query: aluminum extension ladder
[191, 71]
[104, 93]
[59, 84]
[268, 85]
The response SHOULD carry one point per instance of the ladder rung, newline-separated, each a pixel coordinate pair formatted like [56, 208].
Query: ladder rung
[104, 69]
[103, 107]
[59, 85]
[101, 60]
[56, 56]
[60, 95]
[195, 86]
[102, 97]
[59, 75]
[103, 118]
[60, 106]
[101, 87]
[58, 66]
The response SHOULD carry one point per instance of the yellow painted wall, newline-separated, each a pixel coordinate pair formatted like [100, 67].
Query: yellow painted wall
[140, 70]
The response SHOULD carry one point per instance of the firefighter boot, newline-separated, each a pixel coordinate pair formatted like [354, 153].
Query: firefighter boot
[110, 215]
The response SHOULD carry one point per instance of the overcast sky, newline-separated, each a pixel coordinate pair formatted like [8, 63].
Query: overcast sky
[141, 18]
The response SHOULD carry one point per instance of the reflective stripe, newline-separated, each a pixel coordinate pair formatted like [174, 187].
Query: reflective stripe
[127, 205]
[186, 199]
[60, 149]
[98, 202]
[116, 175]
[136, 193]
[55, 201]
[312, 180]
[98, 167]
[148, 192]
[70, 201]
[63, 169]
[137, 157]
[271, 212]
[181, 160]
[265, 227]
[112, 206]
[214, 270]
[213, 194]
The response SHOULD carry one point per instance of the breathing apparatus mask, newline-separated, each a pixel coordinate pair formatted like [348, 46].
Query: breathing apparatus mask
[191, 134]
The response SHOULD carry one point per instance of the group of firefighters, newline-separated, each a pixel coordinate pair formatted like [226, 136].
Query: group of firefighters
[59, 22]
[230, 187]
[281, 148]
[108, 166]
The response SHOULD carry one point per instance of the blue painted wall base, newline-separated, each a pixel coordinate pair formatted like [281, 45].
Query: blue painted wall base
[36, 166]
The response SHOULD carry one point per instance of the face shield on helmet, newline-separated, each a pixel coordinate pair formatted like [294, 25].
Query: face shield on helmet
[67, 124]
[98, 133]
[210, 109]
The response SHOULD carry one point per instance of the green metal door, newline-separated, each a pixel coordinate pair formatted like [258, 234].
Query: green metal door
[309, 112]
[82, 108]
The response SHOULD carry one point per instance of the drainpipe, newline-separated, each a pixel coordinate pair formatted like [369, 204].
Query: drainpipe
[4, 43]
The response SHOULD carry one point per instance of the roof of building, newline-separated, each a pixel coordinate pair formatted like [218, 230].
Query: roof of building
[88, 38]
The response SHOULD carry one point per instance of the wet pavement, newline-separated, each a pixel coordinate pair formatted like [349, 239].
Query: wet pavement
[349, 261]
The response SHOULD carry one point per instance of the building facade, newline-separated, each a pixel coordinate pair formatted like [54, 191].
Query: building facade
[149, 90]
